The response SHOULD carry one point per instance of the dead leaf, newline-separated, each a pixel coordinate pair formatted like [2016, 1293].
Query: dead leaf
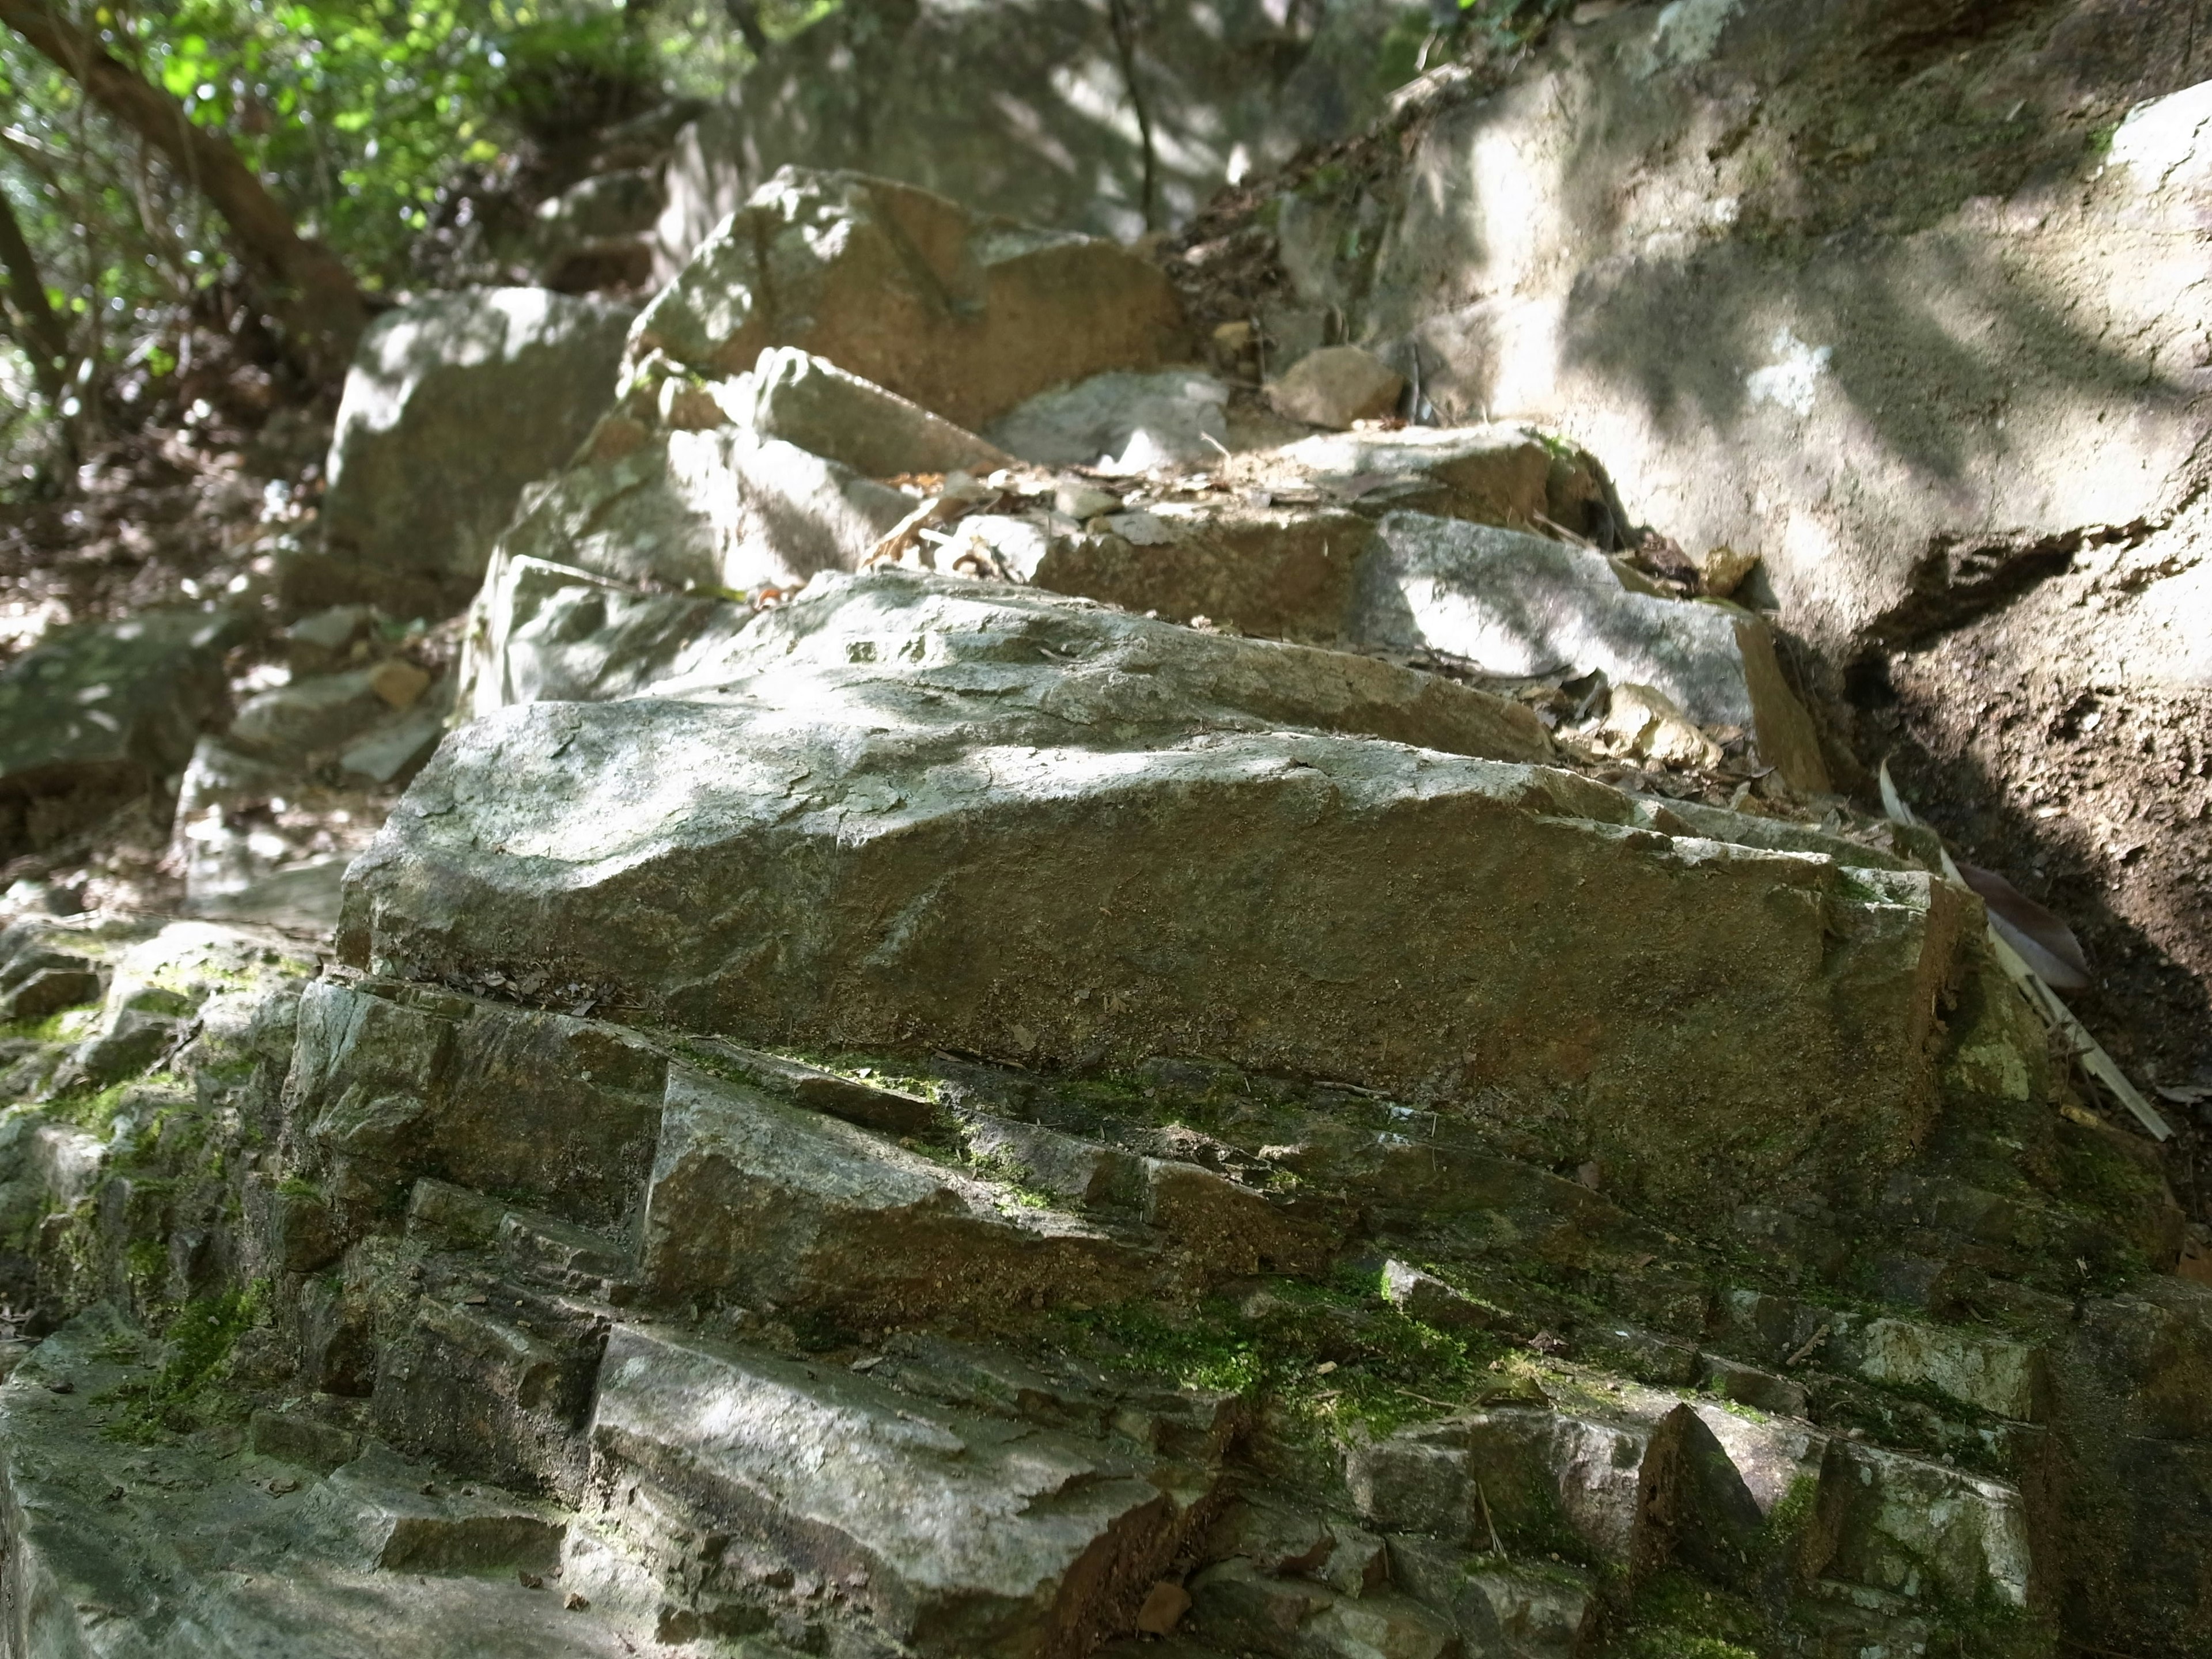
[2042, 940]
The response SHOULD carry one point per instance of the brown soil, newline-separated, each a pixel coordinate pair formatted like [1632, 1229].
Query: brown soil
[2027, 736]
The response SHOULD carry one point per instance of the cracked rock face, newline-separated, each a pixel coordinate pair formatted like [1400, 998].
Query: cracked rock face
[1023, 824]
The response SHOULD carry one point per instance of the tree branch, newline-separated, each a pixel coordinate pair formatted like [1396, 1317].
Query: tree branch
[746, 16]
[44, 339]
[308, 288]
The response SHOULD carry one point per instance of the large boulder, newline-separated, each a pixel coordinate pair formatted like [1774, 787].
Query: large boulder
[101, 715]
[910, 809]
[454, 403]
[963, 314]
[1030, 108]
[1910, 322]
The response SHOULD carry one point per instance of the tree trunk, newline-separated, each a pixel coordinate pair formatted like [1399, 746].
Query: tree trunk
[310, 291]
[746, 16]
[38, 330]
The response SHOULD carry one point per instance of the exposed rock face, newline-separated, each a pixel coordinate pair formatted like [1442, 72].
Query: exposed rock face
[1196, 879]
[1279, 1155]
[964, 314]
[453, 405]
[723, 509]
[101, 715]
[1003, 108]
[1553, 252]
[813, 403]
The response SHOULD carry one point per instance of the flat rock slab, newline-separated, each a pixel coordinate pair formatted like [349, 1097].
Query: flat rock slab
[965, 314]
[966, 1536]
[100, 714]
[910, 809]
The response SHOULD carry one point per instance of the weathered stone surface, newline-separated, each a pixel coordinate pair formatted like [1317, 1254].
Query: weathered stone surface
[1121, 421]
[1535, 1610]
[562, 1109]
[966, 315]
[1337, 385]
[770, 1202]
[1918, 1529]
[200, 1551]
[1231, 1228]
[1514, 604]
[1987, 1372]
[888, 1111]
[550, 633]
[962, 1535]
[1534, 1469]
[453, 405]
[1553, 251]
[810, 401]
[1500, 474]
[1058, 737]
[100, 716]
[1079, 1171]
[1429, 1299]
[1008, 109]
[491, 1382]
[706, 510]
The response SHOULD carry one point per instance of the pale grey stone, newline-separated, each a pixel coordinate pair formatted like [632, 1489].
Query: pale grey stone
[715, 511]
[453, 405]
[1511, 604]
[1121, 422]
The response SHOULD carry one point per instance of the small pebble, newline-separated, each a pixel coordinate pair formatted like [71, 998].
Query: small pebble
[61, 1385]
[530, 1580]
[577, 1602]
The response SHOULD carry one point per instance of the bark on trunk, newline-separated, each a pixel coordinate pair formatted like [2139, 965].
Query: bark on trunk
[310, 291]
[38, 330]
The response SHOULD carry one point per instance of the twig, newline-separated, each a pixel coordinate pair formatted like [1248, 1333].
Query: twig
[1489, 1525]
[1811, 1343]
[2089, 1053]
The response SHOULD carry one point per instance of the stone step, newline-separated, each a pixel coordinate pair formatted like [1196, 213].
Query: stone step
[961, 1534]
[1143, 847]
[778, 1207]
[196, 1548]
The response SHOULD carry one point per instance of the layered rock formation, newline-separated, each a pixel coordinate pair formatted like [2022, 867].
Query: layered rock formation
[873, 1099]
